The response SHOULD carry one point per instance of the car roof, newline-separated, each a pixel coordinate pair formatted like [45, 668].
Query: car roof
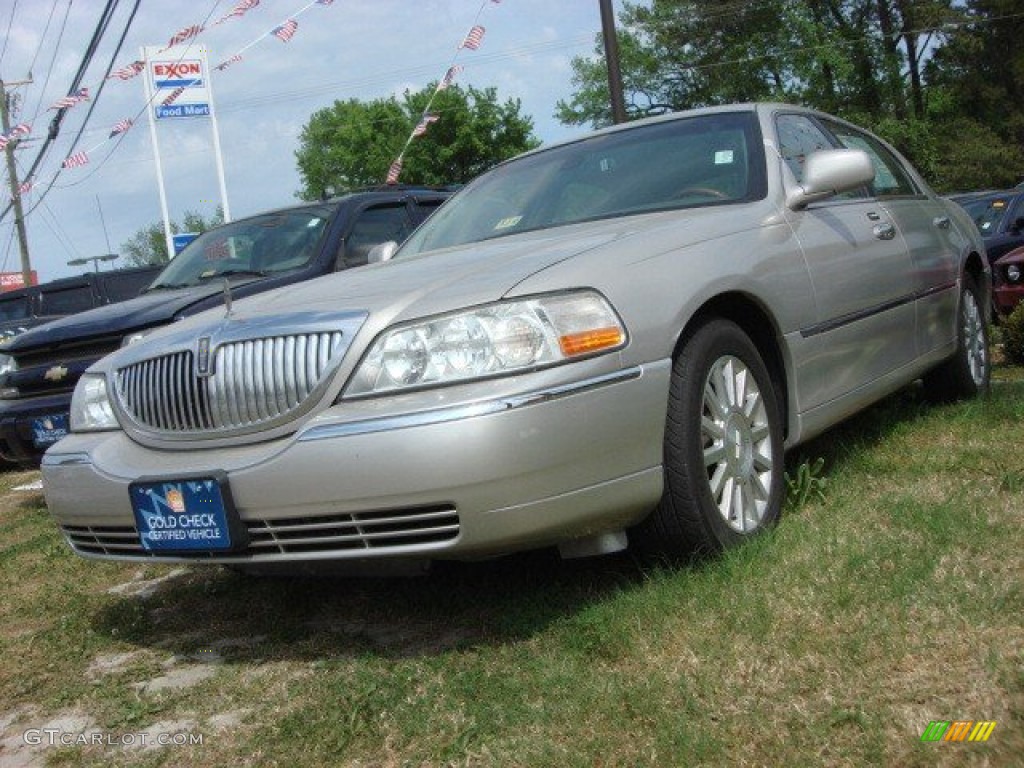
[384, 191]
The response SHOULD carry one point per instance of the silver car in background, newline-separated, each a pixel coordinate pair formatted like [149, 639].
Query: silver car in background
[608, 341]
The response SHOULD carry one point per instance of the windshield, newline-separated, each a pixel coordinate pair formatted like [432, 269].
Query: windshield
[261, 245]
[987, 212]
[697, 161]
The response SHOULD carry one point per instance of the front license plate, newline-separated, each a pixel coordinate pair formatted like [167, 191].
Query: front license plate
[194, 514]
[47, 430]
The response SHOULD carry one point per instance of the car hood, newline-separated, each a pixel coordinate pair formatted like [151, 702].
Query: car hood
[435, 282]
[144, 311]
[475, 273]
[1016, 256]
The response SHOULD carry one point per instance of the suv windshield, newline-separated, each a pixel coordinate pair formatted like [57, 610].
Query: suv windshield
[706, 160]
[987, 212]
[274, 242]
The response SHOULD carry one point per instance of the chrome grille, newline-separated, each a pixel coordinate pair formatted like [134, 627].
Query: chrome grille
[351, 533]
[253, 381]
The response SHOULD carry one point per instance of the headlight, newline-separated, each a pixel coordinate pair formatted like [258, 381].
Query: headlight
[90, 406]
[134, 338]
[7, 364]
[492, 340]
[1013, 273]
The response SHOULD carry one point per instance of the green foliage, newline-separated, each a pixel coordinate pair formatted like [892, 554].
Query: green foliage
[149, 245]
[353, 143]
[828, 642]
[805, 484]
[1013, 335]
[941, 80]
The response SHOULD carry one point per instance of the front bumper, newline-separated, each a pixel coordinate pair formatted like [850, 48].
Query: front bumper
[550, 465]
[16, 417]
[1007, 296]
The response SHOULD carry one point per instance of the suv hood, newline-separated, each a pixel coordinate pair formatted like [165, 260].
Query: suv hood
[123, 317]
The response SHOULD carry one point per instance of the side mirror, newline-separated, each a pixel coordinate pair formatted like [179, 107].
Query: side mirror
[1018, 225]
[831, 172]
[382, 252]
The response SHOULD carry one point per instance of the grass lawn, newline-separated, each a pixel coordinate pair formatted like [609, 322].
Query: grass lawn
[891, 599]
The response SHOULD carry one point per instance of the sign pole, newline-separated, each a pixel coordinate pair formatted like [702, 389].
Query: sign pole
[150, 107]
[216, 146]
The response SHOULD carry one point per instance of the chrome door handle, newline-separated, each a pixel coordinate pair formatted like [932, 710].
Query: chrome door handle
[884, 231]
[942, 222]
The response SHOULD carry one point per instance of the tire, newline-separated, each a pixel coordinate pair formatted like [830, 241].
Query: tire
[966, 374]
[723, 449]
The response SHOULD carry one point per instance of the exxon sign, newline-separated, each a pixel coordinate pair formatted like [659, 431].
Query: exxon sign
[186, 73]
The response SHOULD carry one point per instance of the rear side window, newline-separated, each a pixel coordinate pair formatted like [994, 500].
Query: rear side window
[67, 301]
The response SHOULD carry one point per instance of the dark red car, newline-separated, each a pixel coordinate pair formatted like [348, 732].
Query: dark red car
[1008, 281]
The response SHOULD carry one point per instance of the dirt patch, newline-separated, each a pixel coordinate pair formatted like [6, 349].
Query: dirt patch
[24, 740]
[144, 588]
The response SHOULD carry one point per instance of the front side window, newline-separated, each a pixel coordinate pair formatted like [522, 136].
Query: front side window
[697, 161]
[375, 225]
[258, 246]
[67, 301]
[799, 137]
[14, 308]
[891, 179]
[126, 286]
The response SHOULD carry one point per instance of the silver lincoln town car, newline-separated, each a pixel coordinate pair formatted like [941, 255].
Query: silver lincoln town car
[606, 342]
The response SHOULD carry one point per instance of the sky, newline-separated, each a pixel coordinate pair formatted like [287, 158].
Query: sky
[362, 49]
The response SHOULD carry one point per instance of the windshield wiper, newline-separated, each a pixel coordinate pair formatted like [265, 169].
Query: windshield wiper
[226, 272]
[167, 286]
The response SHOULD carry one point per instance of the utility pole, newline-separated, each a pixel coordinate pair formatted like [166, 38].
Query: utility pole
[12, 174]
[611, 55]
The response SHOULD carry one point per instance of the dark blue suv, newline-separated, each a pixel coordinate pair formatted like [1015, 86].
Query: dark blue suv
[39, 368]
[999, 217]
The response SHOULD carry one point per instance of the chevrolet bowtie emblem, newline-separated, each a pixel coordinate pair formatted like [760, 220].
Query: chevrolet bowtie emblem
[57, 373]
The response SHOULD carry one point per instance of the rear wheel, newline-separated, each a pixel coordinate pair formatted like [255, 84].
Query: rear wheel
[967, 372]
[723, 447]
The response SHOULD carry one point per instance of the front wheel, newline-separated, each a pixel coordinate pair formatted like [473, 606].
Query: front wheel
[966, 374]
[723, 449]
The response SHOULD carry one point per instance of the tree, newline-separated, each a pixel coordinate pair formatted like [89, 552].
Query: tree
[976, 80]
[940, 79]
[353, 143]
[678, 54]
[855, 57]
[149, 245]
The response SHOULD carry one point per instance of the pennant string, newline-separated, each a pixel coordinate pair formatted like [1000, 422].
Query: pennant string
[472, 42]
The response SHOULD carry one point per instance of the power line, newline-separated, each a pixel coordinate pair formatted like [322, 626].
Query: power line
[39, 48]
[95, 100]
[7, 37]
[97, 35]
[56, 49]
